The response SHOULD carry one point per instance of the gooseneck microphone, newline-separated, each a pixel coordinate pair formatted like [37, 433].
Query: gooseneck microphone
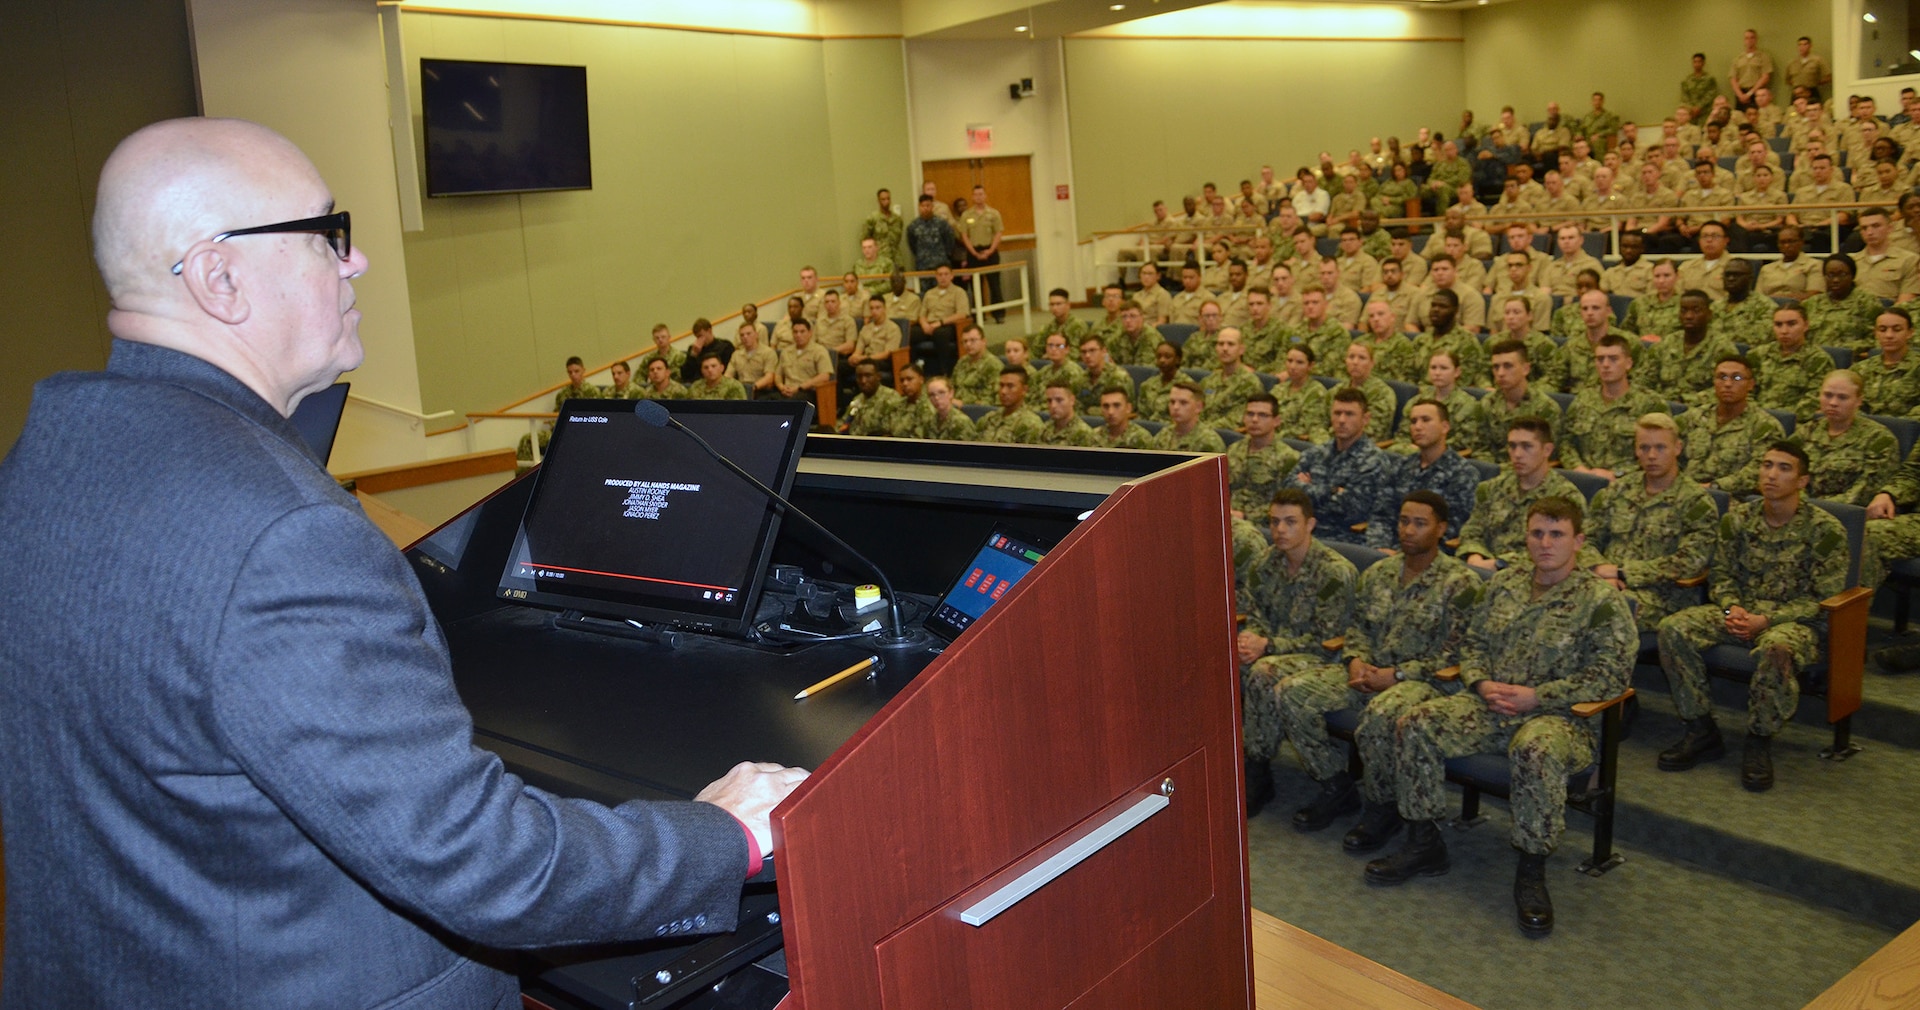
[897, 635]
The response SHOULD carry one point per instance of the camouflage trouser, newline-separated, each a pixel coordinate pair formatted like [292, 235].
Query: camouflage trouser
[1778, 651]
[1259, 710]
[1543, 751]
[1651, 604]
[1888, 540]
[1305, 699]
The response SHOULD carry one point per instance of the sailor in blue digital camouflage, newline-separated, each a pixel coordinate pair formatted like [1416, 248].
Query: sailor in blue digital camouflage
[1495, 535]
[1548, 636]
[1295, 602]
[1344, 473]
[1654, 527]
[1258, 464]
[1410, 614]
[1851, 455]
[1724, 441]
[1596, 434]
[1431, 466]
[1776, 558]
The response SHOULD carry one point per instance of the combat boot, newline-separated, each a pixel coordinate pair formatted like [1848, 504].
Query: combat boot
[1899, 658]
[1530, 899]
[1259, 785]
[1378, 822]
[1424, 855]
[1337, 796]
[1699, 741]
[1756, 763]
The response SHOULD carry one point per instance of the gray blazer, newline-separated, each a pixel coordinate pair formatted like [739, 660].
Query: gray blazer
[233, 768]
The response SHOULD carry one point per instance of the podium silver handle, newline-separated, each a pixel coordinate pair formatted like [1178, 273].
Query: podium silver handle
[983, 911]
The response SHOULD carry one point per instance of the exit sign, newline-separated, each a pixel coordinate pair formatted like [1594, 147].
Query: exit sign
[1060, 192]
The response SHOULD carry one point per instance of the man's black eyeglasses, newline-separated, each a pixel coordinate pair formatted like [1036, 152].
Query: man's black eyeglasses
[336, 227]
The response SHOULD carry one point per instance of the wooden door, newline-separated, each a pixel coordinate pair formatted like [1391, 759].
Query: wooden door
[1008, 180]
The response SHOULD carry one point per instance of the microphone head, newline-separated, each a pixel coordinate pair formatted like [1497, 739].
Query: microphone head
[651, 412]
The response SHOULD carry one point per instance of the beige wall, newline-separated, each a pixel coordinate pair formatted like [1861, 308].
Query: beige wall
[1634, 50]
[1140, 135]
[721, 164]
[75, 77]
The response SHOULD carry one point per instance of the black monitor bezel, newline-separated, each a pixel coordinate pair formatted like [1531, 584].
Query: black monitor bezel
[739, 618]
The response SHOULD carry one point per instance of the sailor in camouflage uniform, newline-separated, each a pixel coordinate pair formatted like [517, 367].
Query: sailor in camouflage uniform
[1893, 527]
[1576, 355]
[1231, 383]
[1494, 536]
[1116, 408]
[1484, 430]
[1102, 374]
[1789, 370]
[1304, 402]
[1843, 314]
[1597, 432]
[1745, 318]
[1013, 422]
[949, 422]
[1410, 613]
[1343, 474]
[1151, 399]
[976, 376]
[1185, 430]
[1775, 560]
[1891, 379]
[1136, 340]
[1381, 399]
[1431, 466]
[1680, 366]
[1301, 597]
[1724, 441]
[914, 417]
[1549, 635]
[870, 413]
[1653, 526]
[1849, 464]
[1063, 426]
[1257, 465]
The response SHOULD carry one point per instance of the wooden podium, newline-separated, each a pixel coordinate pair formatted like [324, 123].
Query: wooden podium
[1091, 714]
[1107, 676]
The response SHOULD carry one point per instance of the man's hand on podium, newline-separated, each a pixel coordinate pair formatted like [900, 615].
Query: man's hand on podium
[750, 791]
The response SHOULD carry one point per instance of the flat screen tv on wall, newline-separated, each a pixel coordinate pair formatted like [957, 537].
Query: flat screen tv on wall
[504, 127]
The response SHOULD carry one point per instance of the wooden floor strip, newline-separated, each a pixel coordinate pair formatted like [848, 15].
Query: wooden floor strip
[1295, 970]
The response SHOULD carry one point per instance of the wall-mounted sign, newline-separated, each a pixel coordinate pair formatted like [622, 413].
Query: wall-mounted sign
[979, 138]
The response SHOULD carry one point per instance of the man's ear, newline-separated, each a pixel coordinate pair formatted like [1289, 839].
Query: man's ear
[212, 279]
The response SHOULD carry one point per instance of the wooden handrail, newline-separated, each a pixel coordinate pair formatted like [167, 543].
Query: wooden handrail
[431, 471]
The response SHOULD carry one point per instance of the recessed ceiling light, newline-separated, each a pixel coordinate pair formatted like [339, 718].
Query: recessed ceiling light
[1869, 18]
[1020, 28]
[1116, 7]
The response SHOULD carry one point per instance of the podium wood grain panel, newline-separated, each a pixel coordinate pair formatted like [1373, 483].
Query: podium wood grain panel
[1110, 662]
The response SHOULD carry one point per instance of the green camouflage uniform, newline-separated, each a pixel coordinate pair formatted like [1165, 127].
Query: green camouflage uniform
[583, 391]
[1853, 466]
[1200, 439]
[1728, 455]
[958, 427]
[1453, 173]
[1577, 356]
[1329, 341]
[1649, 314]
[1459, 404]
[1781, 573]
[673, 356]
[1890, 391]
[1227, 395]
[1075, 329]
[1599, 126]
[1297, 613]
[1393, 358]
[1549, 366]
[1266, 345]
[1392, 199]
[725, 389]
[1377, 243]
[1567, 324]
[1413, 629]
[674, 391]
[1131, 437]
[889, 232]
[1066, 371]
[1467, 350]
[913, 418]
[1790, 382]
[1250, 551]
[1197, 351]
[1697, 91]
[1023, 426]
[1896, 539]
[1484, 429]
[1303, 412]
[977, 381]
[872, 413]
[1075, 432]
[1599, 434]
[1748, 323]
[1574, 643]
[1150, 401]
[1111, 378]
[1498, 527]
[1255, 475]
[1655, 539]
[1846, 323]
[1127, 350]
[1678, 372]
[881, 264]
[1380, 407]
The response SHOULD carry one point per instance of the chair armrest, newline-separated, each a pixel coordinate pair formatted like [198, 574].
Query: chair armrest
[1358, 527]
[1587, 709]
[1454, 544]
[1847, 599]
[1691, 581]
[1447, 673]
[1334, 644]
[900, 356]
[824, 402]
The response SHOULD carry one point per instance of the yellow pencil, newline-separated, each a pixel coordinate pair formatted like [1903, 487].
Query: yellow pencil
[865, 664]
